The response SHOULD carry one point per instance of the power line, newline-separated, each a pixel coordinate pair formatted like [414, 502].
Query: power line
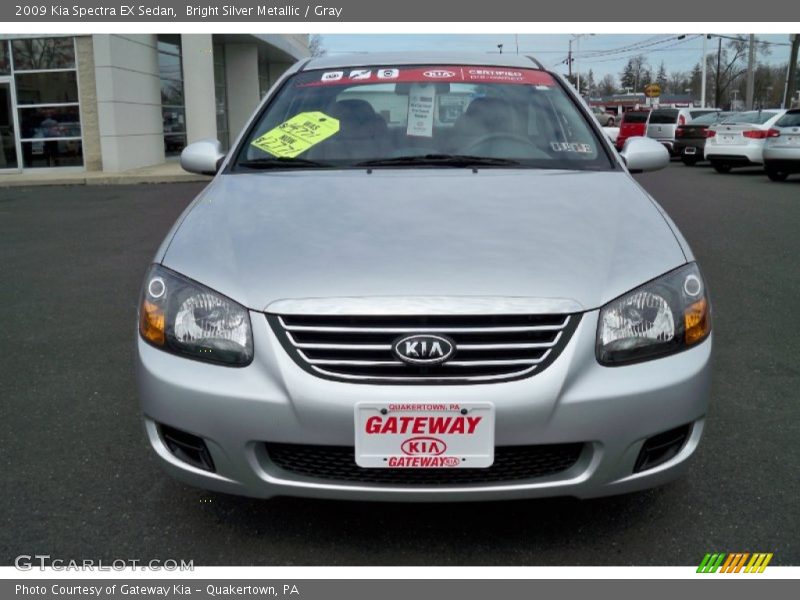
[631, 47]
[634, 51]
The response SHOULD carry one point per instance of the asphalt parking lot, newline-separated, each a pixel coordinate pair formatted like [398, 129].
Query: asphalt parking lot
[79, 480]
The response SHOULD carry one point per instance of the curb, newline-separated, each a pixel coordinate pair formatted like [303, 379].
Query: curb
[103, 180]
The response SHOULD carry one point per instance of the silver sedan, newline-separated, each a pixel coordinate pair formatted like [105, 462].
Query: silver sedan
[424, 278]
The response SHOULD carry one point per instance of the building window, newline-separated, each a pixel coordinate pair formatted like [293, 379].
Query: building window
[5, 59]
[46, 84]
[173, 112]
[263, 77]
[43, 54]
[221, 95]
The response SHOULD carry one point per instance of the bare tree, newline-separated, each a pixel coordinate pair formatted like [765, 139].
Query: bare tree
[726, 66]
[315, 46]
[607, 85]
[678, 82]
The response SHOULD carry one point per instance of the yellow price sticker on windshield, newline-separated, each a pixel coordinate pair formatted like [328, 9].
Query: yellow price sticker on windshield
[298, 134]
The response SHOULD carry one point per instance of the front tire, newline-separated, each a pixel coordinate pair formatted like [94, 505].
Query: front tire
[776, 175]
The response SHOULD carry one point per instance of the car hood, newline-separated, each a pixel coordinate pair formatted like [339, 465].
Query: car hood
[577, 238]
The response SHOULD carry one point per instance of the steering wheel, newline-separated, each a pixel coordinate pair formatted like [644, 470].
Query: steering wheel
[491, 137]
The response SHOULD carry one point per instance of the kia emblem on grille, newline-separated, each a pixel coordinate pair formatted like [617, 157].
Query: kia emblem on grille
[424, 349]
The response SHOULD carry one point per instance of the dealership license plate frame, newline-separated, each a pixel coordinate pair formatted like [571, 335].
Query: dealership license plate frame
[382, 450]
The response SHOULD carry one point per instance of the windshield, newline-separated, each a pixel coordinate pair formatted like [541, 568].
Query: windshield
[664, 116]
[710, 118]
[635, 117]
[790, 119]
[695, 114]
[755, 117]
[431, 116]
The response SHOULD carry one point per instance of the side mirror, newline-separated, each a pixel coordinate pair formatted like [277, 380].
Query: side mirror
[203, 157]
[644, 154]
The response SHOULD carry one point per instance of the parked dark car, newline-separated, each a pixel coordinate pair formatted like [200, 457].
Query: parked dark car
[663, 123]
[690, 139]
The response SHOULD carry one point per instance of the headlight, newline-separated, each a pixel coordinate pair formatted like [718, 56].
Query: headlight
[182, 316]
[662, 317]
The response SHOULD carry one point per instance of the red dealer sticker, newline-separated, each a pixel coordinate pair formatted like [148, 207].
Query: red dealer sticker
[462, 74]
[424, 435]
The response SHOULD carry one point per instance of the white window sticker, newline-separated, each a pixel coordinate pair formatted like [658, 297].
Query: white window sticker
[332, 75]
[361, 74]
[388, 73]
[421, 101]
[571, 147]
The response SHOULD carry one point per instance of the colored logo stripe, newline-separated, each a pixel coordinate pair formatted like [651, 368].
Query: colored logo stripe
[758, 563]
[734, 562]
[711, 563]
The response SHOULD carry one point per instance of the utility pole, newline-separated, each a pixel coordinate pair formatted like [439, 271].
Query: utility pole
[751, 72]
[578, 64]
[569, 60]
[791, 73]
[717, 90]
[703, 80]
[577, 39]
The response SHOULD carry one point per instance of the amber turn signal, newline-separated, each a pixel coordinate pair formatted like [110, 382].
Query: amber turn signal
[151, 323]
[697, 322]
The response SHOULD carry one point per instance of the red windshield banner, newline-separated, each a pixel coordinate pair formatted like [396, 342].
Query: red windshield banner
[459, 74]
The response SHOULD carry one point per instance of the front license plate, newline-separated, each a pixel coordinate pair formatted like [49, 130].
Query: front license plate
[424, 435]
[690, 150]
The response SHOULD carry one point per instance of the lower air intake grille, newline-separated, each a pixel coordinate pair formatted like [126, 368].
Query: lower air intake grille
[488, 348]
[337, 463]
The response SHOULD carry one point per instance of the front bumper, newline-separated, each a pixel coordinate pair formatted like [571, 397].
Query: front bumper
[612, 411]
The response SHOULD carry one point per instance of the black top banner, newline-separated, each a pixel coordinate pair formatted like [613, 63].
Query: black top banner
[611, 11]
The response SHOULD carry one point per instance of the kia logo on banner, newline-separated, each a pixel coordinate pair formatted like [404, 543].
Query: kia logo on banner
[439, 74]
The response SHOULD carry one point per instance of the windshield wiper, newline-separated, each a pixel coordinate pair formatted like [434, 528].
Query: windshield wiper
[279, 162]
[444, 160]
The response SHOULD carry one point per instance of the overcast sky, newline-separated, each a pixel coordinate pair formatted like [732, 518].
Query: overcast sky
[603, 53]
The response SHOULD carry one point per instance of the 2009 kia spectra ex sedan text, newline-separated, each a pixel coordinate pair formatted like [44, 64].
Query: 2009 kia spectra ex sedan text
[424, 278]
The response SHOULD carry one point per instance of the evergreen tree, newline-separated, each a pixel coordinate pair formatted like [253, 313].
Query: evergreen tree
[627, 79]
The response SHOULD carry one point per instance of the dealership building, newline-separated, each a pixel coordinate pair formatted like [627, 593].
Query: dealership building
[117, 102]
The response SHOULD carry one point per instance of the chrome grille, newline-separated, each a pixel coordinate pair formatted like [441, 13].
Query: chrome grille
[489, 348]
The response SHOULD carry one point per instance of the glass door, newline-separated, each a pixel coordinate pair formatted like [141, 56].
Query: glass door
[8, 130]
